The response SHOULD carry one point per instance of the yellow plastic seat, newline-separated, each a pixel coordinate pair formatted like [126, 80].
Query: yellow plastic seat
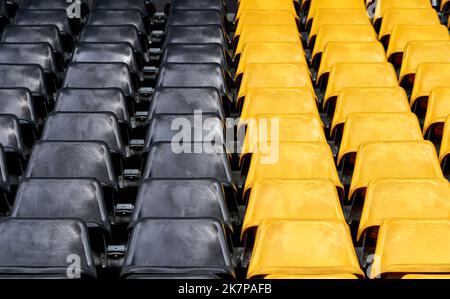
[444, 151]
[267, 33]
[326, 276]
[377, 74]
[318, 4]
[328, 16]
[383, 5]
[372, 99]
[429, 76]
[410, 16]
[265, 5]
[426, 276]
[404, 199]
[335, 52]
[417, 52]
[303, 247]
[341, 33]
[293, 160]
[394, 159]
[266, 17]
[268, 128]
[438, 108]
[291, 199]
[402, 34]
[363, 127]
[412, 246]
[266, 52]
[287, 75]
[278, 101]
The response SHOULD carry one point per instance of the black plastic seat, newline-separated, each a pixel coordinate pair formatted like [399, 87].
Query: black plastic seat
[198, 4]
[4, 16]
[63, 198]
[48, 4]
[194, 75]
[72, 159]
[4, 179]
[211, 34]
[11, 140]
[18, 101]
[166, 198]
[94, 100]
[106, 17]
[184, 17]
[41, 248]
[30, 76]
[139, 5]
[166, 128]
[180, 100]
[178, 246]
[197, 53]
[57, 17]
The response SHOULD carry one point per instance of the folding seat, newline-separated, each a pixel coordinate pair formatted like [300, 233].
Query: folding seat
[101, 75]
[198, 4]
[402, 34]
[264, 130]
[293, 160]
[57, 17]
[194, 75]
[94, 100]
[314, 199]
[318, 4]
[248, 5]
[197, 53]
[30, 76]
[410, 16]
[412, 246]
[394, 159]
[296, 250]
[267, 33]
[266, 17]
[191, 17]
[402, 199]
[417, 52]
[428, 76]
[444, 151]
[139, 5]
[324, 276]
[180, 247]
[366, 99]
[384, 5]
[197, 34]
[182, 198]
[200, 127]
[267, 52]
[34, 53]
[179, 100]
[35, 34]
[65, 198]
[278, 101]
[425, 276]
[24, 255]
[282, 75]
[11, 140]
[108, 53]
[50, 4]
[438, 109]
[348, 52]
[19, 102]
[327, 16]
[340, 33]
[363, 127]
[374, 74]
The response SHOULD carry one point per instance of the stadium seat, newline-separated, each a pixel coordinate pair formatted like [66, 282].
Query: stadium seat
[196, 4]
[12, 142]
[384, 5]
[284, 75]
[290, 199]
[180, 246]
[335, 52]
[401, 245]
[278, 101]
[340, 33]
[417, 52]
[122, 4]
[403, 199]
[265, 18]
[24, 255]
[47, 4]
[365, 127]
[425, 276]
[203, 17]
[196, 35]
[367, 99]
[445, 149]
[293, 160]
[106, 17]
[182, 198]
[5, 186]
[411, 16]
[19, 102]
[179, 100]
[296, 251]
[318, 4]
[248, 5]
[324, 276]
[376, 74]
[438, 109]
[402, 34]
